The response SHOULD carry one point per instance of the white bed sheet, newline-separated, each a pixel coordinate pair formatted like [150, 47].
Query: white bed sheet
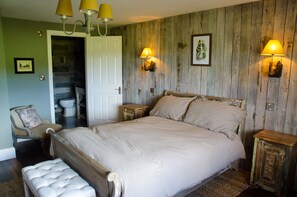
[154, 156]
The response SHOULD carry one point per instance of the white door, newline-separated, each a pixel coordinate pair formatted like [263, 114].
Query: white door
[103, 79]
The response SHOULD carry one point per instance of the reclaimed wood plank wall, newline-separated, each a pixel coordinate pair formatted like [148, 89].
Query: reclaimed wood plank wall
[239, 33]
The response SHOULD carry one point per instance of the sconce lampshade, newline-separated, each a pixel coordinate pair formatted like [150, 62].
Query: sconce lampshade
[146, 53]
[273, 47]
[88, 6]
[105, 12]
[64, 8]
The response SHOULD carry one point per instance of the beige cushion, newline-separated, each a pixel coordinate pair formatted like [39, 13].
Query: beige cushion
[15, 116]
[29, 117]
[171, 107]
[214, 115]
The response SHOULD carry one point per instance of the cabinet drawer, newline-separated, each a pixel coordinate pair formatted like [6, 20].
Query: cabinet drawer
[128, 110]
[128, 115]
[131, 112]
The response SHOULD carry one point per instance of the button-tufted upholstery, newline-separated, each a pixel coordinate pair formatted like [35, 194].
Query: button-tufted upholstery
[54, 178]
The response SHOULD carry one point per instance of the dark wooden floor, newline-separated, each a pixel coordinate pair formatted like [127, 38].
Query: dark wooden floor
[30, 153]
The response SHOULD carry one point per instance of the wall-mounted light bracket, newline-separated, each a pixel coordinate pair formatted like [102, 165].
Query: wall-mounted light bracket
[275, 69]
[149, 65]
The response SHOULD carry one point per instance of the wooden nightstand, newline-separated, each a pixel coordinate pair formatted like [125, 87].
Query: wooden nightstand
[133, 111]
[274, 161]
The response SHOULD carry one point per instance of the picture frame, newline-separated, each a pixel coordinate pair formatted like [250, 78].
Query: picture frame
[201, 50]
[24, 65]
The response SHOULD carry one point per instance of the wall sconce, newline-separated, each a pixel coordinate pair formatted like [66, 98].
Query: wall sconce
[274, 48]
[149, 64]
[88, 8]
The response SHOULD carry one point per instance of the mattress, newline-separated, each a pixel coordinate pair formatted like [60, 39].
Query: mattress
[155, 156]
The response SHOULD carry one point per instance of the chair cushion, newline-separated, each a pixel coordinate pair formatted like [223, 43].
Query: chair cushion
[29, 117]
[15, 118]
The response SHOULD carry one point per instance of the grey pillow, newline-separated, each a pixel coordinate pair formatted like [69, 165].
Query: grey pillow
[214, 115]
[29, 117]
[171, 107]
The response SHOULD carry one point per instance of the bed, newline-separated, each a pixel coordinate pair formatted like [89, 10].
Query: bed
[168, 153]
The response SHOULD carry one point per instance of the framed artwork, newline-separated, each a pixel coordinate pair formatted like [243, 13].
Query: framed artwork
[24, 65]
[201, 50]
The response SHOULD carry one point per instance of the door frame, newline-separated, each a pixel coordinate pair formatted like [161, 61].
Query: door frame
[51, 33]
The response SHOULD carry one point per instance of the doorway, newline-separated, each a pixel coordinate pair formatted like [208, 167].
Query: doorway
[68, 58]
[103, 80]
[66, 64]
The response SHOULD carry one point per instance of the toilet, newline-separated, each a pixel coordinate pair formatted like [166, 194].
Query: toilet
[69, 106]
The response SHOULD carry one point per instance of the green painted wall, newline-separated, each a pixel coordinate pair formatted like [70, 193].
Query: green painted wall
[18, 38]
[21, 41]
[5, 130]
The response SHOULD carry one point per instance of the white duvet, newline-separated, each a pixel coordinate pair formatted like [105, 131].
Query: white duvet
[156, 157]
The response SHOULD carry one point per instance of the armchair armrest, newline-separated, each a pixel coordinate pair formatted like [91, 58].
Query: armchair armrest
[20, 131]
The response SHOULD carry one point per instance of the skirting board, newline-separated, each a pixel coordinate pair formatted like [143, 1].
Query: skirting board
[8, 153]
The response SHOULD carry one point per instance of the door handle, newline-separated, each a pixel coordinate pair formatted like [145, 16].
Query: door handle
[119, 89]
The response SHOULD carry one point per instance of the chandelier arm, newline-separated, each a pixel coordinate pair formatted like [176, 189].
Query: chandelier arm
[74, 27]
[98, 29]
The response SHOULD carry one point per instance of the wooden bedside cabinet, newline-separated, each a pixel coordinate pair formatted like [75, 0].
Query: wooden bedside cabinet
[133, 111]
[274, 161]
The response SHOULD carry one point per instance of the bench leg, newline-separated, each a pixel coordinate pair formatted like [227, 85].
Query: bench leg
[26, 189]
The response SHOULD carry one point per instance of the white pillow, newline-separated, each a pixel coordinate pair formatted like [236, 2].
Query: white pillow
[171, 107]
[29, 117]
[214, 115]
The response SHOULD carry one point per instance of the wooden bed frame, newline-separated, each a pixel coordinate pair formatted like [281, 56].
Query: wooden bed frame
[105, 182]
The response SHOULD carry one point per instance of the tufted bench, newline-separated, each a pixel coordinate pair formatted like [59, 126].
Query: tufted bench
[54, 178]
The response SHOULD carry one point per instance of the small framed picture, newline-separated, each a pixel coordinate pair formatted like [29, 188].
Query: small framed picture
[201, 50]
[24, 65]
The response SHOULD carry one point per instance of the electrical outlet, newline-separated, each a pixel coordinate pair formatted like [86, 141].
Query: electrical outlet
[269, 106]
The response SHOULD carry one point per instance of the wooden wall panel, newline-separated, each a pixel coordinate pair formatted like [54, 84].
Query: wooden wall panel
[236, 51]
[239, 34]
[291, 109]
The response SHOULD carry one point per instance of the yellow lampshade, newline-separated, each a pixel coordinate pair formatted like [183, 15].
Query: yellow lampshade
[88, 6]
[105, 12]
[64, 8]
[273, 47]
[146, 53]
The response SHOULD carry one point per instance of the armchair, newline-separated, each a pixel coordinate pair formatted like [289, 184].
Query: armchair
[26, 124]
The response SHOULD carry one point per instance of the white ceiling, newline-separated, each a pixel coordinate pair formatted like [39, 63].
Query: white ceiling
[124, 11]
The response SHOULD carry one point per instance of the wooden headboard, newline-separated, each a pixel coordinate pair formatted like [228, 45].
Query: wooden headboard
[233, 102]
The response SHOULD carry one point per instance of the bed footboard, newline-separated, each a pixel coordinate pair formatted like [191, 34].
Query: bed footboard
[106, 183]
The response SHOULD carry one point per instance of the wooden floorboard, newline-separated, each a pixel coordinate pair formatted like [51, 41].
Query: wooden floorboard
[13, 169]
[27, 153]
[4, 176]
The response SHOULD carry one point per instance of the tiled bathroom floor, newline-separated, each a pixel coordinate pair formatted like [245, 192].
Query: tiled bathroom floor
[70, 122]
